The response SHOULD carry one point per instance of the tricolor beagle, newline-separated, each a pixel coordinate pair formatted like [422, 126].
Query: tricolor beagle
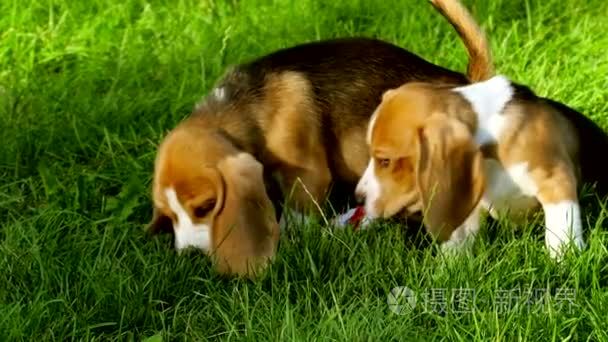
[295, 121]
[451, 152]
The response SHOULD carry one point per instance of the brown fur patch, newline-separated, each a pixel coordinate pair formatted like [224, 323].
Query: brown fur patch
[293, 133]
[246, 235]
[450, 175]
[547, 142]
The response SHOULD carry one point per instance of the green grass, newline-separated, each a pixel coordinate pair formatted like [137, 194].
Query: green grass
[87, 90]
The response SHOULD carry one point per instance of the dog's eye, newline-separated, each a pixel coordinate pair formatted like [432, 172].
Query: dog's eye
[202, 210]
[384, 162]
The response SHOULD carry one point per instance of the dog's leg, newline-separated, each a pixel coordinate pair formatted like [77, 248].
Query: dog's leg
[305, 195]
[558, 196]
[305, 184]
[464, 236]
[293, 132]
[306, 188]
[563, 225]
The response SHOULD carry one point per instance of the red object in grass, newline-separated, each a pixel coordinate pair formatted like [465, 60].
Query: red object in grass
[354, 217]
[357, 217]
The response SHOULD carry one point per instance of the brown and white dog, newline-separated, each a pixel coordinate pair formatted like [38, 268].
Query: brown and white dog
[286, 125]
[453, 151]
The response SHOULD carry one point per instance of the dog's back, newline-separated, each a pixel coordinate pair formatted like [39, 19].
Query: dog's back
[342, 81]
[348, 74]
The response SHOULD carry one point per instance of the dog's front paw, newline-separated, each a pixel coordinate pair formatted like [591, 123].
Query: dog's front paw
[559, 248]
[453, 248]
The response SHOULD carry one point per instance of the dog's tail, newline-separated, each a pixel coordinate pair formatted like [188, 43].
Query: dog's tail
[480, 66]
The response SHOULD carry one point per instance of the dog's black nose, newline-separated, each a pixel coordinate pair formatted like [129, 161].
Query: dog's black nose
[360, 196]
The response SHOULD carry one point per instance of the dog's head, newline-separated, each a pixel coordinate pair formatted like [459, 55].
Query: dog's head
[421, 159]
[211, 196]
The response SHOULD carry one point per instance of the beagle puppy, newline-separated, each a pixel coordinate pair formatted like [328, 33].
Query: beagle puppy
[495, 146]
[283, 127]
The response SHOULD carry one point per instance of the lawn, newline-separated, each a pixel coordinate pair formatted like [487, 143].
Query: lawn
[88, 89]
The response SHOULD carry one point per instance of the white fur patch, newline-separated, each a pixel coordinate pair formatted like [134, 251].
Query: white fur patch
[488, 99]
[510, 191]
[369, 187]
[219, 93]
[187, 233]
[563, 225]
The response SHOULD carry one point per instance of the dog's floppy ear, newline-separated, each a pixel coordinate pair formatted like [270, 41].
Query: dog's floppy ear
[450, 174]
[160, 223]
[246, 232]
